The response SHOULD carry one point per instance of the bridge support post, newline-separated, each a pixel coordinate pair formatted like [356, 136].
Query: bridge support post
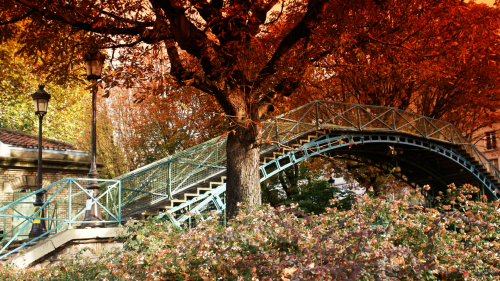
[317, 116]
[169, 181]
[93, 210]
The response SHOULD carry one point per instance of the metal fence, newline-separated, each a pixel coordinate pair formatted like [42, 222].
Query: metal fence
[60, 213]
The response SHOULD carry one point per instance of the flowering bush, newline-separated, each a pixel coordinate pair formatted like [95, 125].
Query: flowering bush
[375, 240]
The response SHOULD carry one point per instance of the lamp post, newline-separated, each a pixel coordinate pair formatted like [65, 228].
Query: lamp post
[331, 181]
[93, 64]
[41, 101]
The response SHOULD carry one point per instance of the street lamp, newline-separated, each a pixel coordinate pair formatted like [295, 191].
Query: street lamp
[331, 181]
[41, 101]
[93, 64]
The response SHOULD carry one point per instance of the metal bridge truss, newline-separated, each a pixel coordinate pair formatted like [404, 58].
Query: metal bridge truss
[326, 143]
[193, 180]
[170, 183]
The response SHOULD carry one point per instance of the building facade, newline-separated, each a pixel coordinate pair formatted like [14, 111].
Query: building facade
[487, 141]
[18, 175]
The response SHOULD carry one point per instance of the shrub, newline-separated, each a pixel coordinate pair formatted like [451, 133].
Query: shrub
[375, 240]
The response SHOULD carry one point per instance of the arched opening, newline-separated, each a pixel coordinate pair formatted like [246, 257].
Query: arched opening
[421, 161]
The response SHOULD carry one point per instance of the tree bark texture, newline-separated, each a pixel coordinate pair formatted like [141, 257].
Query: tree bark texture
[243, 177]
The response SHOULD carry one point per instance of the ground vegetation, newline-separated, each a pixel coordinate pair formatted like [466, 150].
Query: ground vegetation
[377, 239]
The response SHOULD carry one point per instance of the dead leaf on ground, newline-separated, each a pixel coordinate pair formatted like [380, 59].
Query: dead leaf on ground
[288, 272]
[398, 260]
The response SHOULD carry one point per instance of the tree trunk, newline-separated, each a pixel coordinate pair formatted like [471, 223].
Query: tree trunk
[243, 177]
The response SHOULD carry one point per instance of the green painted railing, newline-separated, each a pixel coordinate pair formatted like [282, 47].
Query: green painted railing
[161, 180]
[65, 206]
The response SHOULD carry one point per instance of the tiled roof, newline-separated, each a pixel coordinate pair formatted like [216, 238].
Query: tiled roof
[27, 140]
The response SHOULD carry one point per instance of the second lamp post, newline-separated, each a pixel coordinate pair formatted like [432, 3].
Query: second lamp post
[93, 64]
[41, 101]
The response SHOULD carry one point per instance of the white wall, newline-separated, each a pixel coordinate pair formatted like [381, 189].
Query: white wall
[4, 150]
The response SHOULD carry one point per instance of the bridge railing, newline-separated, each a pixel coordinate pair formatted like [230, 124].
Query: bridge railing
[327, 115]
[164, 179]
[354, 117]
[170, 176]
[65, 204]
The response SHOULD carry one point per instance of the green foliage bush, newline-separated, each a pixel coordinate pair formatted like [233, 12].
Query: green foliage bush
[304, 184]
[376, 239]
[317, 195]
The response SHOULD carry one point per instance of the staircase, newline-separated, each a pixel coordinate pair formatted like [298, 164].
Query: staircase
[18, 252]
[291, 145]
[475, 159]
[193, 193]
[196, 191]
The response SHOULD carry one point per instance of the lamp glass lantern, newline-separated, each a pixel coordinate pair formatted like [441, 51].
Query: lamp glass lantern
[331, 181]
[94, 61]
[41, 101]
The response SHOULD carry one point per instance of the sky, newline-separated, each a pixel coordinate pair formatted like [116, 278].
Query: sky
[488, 2]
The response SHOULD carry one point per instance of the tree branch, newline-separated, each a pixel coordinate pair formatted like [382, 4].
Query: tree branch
[176, 67]
[279, 15]
[105, 29]
[121, 18]
[18, 19]
[300, 31]
[184, 32]
[262, 10]
[207, 10]
[139, 40]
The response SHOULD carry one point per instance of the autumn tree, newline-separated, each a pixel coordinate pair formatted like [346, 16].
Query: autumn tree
[448, 70]
[18, 81]
[248, 55]
[161, 125]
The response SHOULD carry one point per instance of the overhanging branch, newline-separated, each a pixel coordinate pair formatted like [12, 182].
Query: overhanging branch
[183, 31]
[18, 19]
[97, 28]
[300, 31]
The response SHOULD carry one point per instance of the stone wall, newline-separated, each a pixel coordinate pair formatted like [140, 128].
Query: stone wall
[14, 181]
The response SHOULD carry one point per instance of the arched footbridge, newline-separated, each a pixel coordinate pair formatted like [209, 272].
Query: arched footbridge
[429, 151]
